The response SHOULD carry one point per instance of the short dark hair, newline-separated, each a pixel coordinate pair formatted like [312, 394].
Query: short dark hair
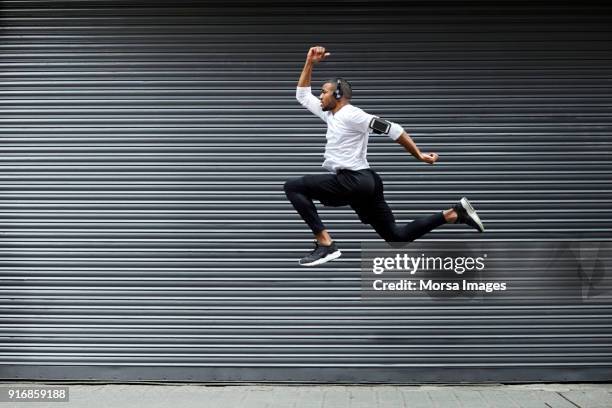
[345, 86]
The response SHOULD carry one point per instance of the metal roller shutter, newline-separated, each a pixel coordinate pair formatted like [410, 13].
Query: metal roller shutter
[145, 233]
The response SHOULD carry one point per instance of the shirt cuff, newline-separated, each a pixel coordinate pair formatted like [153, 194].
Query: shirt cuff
[302, 92]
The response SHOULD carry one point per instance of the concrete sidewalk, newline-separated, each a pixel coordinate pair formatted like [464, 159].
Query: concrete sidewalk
[325, 396]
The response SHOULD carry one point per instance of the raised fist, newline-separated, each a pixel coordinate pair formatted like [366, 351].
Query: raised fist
[316, 54]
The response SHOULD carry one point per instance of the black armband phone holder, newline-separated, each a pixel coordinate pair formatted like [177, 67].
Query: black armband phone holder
[380, 126]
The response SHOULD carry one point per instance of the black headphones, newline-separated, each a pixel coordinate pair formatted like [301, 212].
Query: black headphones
[338, 91]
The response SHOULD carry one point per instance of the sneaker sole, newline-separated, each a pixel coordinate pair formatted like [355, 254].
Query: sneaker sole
[471, 212]
[320, 261]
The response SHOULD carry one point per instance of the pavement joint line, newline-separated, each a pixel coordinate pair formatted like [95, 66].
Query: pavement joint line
[568, 400]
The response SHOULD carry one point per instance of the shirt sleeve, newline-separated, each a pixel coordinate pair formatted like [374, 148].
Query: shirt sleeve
[361, 120]
[309, 101]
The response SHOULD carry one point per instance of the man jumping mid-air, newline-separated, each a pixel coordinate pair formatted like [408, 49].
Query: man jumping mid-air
[350, 180]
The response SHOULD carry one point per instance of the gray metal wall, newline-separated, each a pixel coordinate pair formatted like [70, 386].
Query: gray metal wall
[145, 233]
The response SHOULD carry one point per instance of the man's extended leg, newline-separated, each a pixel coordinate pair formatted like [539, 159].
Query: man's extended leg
[388, 229]
[377, 213]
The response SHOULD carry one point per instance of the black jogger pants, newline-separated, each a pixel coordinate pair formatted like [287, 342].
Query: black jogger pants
[363, 191]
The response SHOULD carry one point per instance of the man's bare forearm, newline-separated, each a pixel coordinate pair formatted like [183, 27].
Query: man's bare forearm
[406, 141]
[306, 74]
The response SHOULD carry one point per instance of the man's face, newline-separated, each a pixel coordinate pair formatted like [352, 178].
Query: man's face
[328, 100]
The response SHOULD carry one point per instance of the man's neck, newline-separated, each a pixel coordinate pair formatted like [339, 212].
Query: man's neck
[339, 106]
